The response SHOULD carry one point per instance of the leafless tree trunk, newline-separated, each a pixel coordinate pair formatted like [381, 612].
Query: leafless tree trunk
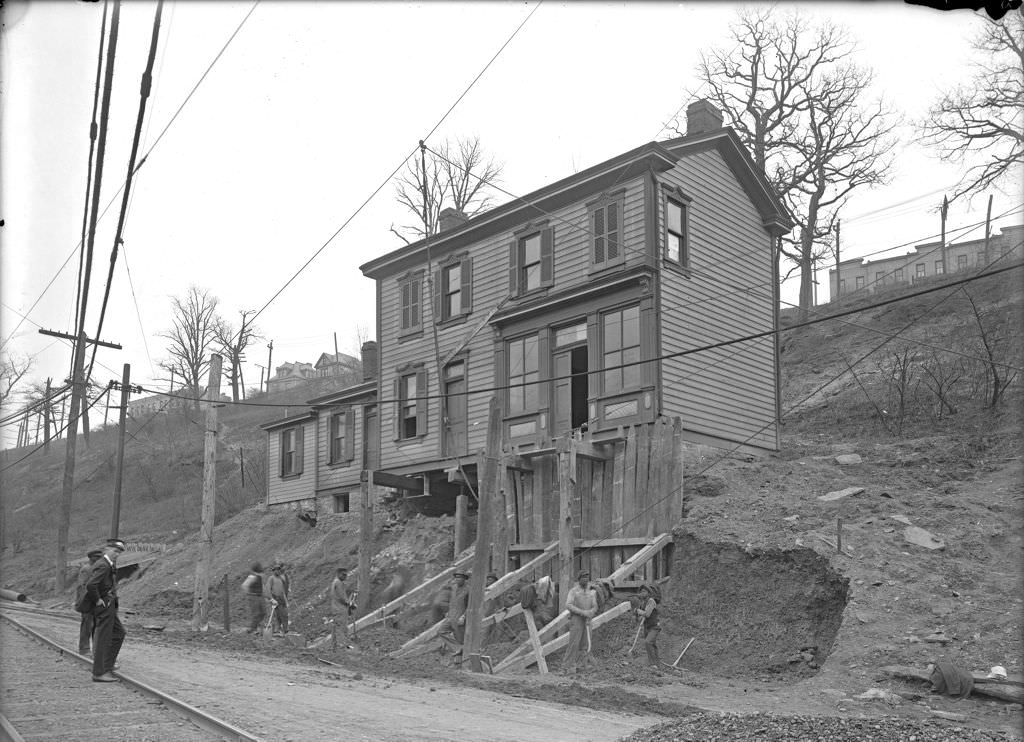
[985, 116]
[12, 371]
[788, 91]
[1001, 374]
[458, 175]
[233, 344]
[191, 337]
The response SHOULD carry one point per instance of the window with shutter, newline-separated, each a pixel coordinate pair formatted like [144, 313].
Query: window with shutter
[341, 432]
[532, 260]
[454, 289]
[291, 452]
[409, 304]
[606, 231]
[412, 411]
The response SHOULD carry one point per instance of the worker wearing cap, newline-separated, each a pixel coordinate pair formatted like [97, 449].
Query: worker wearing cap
[581, 602]
[277, 589]
[343, 605]
[108, 635]
[86, 624]
[647, 612]
[457, 606]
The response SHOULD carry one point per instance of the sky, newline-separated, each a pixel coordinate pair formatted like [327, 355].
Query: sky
[313, 105]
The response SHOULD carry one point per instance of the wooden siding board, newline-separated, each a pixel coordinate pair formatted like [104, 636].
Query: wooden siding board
[618, 480]
[629, 491]
[280, 489]
[644, 461]
[728, 393]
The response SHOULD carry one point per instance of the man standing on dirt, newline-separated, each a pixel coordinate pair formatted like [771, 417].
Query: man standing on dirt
[277, 589]
[86, 623]
[343, 605]
[439, 605]
[582, 606]
[647, 612]
[457, 606]
[109, 634]
[252, 586]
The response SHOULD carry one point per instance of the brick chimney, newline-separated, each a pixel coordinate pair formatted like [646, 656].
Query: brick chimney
[450, 218]
[702, 117]
[369, 353]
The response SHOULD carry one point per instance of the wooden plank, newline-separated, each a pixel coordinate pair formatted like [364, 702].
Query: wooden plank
[656, 493]
[506, 581]
[546, 632]
[618, 480]
[378, 614]
[641, 558]
[529, 531]
[675, 504]
[423, 638]
[384, 479]
[501, 520]
[589, 543]
[566, 490]
[629, 508]
[645, 463]
[521, 663]
[366, 495]
[1003, 691]
[538, 654]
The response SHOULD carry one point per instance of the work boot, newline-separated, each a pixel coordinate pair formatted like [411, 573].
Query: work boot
[104, 678]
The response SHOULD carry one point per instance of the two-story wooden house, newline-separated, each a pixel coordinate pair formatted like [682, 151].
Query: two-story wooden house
[589, 302]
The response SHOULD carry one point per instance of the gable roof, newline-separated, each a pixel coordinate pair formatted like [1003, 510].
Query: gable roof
[656, 156]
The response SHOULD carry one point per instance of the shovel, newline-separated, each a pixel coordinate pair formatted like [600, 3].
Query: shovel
[268, 631]
[636, 638]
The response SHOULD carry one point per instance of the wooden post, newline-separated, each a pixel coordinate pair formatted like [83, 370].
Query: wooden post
[461, 507]
[988, 221]
[945, 208]
[487, 480]
[226, 592]
[565, 540]
[366, 492]
[115, 519]
[46, 408]
[201, 593]
[839, 535]
[499, 556]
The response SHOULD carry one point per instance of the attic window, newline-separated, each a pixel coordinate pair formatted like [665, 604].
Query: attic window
[606, 231]
[531, 260]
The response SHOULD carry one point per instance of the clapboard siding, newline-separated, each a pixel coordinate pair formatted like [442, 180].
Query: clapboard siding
[490, 258]
[280, 490]
[727, 393]
[339, 475]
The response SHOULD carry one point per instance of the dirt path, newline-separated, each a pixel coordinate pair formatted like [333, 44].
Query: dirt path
[283, 701]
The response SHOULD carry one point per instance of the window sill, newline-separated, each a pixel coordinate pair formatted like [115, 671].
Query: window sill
[409, 441]
[339, 464]
[683, 269]
[453, 321]
[603, 268]
[533, 293]
[410, 334]
[295, 475]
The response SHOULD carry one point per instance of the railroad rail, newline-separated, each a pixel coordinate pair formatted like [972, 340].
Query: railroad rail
[49, 700]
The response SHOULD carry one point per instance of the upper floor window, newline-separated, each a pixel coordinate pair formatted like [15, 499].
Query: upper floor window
[899, 274]
[919, 270]
[981, 257]
[523, 375]
[620, 344]
[961, 262]
[938, 267]
[531, 260]
[879, 277]
[341, 437]
[409, 304]
[411, 417]
[676, 246]
[291, 451]
[453, 288]
[842, 285]
[859, 281]
[606, 230]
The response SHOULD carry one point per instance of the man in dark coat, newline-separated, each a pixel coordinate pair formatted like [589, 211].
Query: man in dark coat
[85, 625]
[109, 634]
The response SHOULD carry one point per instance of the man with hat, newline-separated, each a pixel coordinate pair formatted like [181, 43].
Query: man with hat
[343, 605]
[277, 588]
[108, 636]
[457, 606]
[85, 626]
[581, 602]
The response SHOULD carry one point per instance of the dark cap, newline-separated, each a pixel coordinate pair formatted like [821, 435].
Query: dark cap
[492, 576]
[464, 575]
[115, 543]
[256, 567]
[583, 574]
[94, 553]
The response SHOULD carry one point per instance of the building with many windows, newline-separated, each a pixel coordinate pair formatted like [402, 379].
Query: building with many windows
[926, 261]
[587, 304]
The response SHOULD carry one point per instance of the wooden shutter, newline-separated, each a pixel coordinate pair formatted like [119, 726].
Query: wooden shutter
[299, 444]
[421, 404]
[597, 222]
[513, 268]
[397, 397]
[350, 435]
[280, 452]
[414, 302]
[439, 291]
[547, 256]
[611, 224]
[467, 285]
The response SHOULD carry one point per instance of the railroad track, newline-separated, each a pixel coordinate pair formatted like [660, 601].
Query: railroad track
[48, 696]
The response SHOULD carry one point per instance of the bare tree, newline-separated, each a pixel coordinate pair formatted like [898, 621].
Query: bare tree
[233, 343]
[791, 95]
[12, 371]
[191, 338]
[458, 175]
[985, 116]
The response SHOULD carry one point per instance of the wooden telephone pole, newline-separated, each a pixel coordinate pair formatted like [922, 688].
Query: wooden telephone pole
[837, 257]
[119, 471]
[945, 209]
[201, 594]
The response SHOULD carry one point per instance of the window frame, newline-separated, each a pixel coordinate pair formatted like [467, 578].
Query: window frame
[443, 291]
[858, 283]
[604, 352]
[674, 194]
[939, 268]
[341, 421]
[526, 385]
[898, 275]
[546, 262]
[418, 373]
[295, 434]
[410, 281]
[961, 262]
[920, 270]
[615, 201]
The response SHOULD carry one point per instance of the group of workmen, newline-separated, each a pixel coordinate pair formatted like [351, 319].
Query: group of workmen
[100, 630]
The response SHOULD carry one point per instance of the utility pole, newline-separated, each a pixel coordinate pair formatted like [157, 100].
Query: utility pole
[261, 376]
[46, 417]
[837, 258]
[945, 209]
[201, 594]
[988, 220]
[270, 364]
[115, 519]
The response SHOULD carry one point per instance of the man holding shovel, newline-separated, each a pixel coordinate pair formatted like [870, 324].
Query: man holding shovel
[647, 616]
[277, 588]
[581, 602]
[343, 605]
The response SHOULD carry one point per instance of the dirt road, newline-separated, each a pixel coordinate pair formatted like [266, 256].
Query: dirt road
[281, 701]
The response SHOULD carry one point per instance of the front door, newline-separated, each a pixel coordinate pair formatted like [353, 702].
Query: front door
[455, 410]
[570, 388]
